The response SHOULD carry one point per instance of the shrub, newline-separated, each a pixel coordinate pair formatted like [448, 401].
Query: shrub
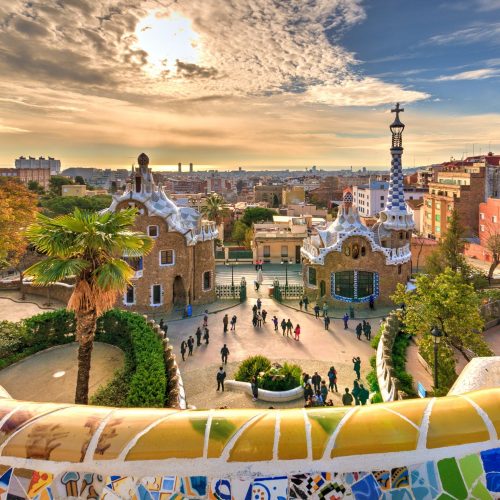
[252, 366]
[144, 370]
[19, 340]
[281, 378]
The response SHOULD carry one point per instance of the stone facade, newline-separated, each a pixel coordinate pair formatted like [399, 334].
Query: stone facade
[386, 276]
[349, 262]
[180, 269]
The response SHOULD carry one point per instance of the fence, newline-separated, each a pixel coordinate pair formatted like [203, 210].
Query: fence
[287, 292]
[232, 292]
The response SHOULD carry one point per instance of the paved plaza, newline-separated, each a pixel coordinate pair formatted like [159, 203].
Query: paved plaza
[317, 350]
[50, 375]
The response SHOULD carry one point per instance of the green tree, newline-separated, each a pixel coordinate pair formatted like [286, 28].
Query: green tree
[80, 180]
[493, 245]
[36, 187]
[89, 247]
[239, 232]
[214, 208]
[257, 214]
[62, 205]
[447, 302]
[56, 182]
[450, 253]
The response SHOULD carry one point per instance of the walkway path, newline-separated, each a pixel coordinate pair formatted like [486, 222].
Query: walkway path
[50, 375]
[316, 350]
[12, 308]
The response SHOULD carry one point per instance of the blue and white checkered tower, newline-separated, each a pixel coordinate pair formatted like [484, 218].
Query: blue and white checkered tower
[396, 214]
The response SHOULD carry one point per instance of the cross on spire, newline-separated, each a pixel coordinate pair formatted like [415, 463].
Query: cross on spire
[397, 110]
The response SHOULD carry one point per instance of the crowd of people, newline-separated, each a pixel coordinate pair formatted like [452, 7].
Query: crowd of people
[316, 390]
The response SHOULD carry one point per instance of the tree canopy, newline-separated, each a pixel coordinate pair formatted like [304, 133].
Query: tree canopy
[17, 211]
[447, 302]
[56, 182]
[62, 205]
[252, 215]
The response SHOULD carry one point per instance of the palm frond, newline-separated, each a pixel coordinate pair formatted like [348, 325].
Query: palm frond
[54, 269]
[114, 274]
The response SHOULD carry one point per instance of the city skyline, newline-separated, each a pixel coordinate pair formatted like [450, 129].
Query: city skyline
[256, 85]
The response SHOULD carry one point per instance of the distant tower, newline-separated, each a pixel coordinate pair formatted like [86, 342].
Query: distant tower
[190, 168]
[179, 167]
[396, 220]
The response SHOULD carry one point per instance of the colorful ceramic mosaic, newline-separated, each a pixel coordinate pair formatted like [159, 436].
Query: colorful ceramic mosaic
[253, 454]
[475, 476]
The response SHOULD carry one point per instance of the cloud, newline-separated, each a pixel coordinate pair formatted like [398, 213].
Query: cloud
[477, 33]
[188, 70]
[488, 5]
[362, 92]
[258, 48]
[477, 74]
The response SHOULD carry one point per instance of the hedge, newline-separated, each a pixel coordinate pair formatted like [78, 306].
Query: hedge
[141, 382]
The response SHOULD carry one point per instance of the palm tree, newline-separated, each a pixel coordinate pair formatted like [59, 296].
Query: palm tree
[88, 246]
[214, 208]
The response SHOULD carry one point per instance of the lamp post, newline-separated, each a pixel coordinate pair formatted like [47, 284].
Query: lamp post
[437, 334]
[286, 275]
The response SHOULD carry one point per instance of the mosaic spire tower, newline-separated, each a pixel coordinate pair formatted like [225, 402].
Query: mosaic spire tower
[396, 214]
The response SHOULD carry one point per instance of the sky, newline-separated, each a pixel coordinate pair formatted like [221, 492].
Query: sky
[248, 82]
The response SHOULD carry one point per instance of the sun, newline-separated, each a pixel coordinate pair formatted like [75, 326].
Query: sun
[166, 40]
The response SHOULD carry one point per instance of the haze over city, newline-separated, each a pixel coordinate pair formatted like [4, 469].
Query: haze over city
[260, 84]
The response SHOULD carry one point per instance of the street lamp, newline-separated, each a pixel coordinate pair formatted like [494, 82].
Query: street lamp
[437, 334]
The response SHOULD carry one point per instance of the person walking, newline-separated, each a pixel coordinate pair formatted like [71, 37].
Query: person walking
[363, 394]
[225, 322]
[254, 320]
[347, 398]
[301, 304]
[264, 315]
[283, 325]
[233, 322]
[324, 391]
[205, 319]
[306, 303]
[357, 366]
[359, 330]
[332, 379]
[368, 331]
[305, 378]
[316, 311]
[259, 304]
[190, 344]
[275, 323]
[221, 375]
[289, 327]
[326, 320]
[183, 350]
[372, 302]
[206, 336]
[346, 321]
[325, 310]
[316, 380]
[355, 392]
[254, 309]
[224, 352]
[198, 336]
[297, 332]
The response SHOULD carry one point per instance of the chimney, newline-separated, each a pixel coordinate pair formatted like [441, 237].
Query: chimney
[179, 167]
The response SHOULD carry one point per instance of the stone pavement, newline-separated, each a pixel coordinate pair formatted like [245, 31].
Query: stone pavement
[316, 350]
[338, 313]
[12, 308]
[50, 375]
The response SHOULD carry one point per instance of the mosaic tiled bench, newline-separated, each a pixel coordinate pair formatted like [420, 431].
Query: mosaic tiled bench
[446, 448]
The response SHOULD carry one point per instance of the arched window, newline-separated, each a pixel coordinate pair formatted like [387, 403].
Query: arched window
[363, 251]
[401, 235]
[399, 268]
[355, 251]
